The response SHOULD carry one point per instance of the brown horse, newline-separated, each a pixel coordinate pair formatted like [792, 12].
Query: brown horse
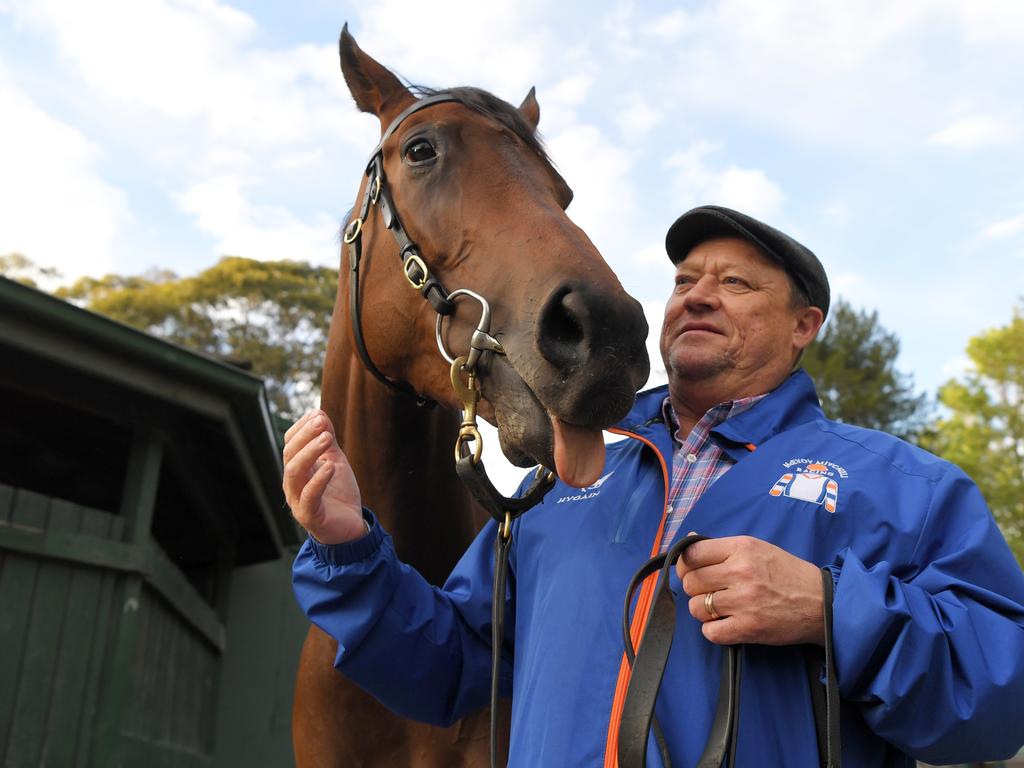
[476, 192]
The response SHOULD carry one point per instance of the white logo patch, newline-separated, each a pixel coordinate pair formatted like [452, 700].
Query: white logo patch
[589, 492]
[811, 480]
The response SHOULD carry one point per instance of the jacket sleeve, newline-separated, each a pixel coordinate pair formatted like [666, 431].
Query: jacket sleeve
[934, 652]
[423, 651]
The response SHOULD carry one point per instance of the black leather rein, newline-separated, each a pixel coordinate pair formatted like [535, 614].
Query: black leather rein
[648, 668]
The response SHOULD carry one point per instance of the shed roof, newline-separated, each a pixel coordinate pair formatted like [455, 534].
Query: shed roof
[214, 417]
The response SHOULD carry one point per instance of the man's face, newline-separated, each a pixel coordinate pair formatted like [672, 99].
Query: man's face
[730, 322]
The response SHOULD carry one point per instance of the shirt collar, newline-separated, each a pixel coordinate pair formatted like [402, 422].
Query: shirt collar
[712, 418]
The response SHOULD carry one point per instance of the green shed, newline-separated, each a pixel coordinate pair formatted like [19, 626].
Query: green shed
[146, 617]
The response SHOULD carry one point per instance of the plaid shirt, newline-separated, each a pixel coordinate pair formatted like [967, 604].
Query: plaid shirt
[697, 461]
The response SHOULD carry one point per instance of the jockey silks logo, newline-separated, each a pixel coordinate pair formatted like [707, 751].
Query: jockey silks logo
[811, 480]
[589, 492]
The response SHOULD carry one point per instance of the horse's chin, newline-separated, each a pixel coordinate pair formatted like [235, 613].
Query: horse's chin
[531, 434]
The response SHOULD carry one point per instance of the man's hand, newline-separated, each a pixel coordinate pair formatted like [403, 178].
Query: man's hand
[761, 593]
[318, 482]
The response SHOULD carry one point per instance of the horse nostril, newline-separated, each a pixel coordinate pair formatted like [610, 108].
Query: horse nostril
[561, 331]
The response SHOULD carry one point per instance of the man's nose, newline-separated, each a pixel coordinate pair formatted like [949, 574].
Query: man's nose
[703, 294]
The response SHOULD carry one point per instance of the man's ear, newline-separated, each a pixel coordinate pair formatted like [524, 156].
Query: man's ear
[808, 322]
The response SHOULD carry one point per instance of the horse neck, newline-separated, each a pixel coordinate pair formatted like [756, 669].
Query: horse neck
[401, 454]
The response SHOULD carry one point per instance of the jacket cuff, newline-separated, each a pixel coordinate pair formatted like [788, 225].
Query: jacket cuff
[351, 551]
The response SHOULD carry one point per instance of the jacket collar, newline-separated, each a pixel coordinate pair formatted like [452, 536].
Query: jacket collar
[793, 402]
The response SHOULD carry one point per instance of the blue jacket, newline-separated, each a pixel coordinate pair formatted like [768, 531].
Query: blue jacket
[928, 611]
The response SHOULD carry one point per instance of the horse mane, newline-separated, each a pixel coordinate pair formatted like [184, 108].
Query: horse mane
[491, 106]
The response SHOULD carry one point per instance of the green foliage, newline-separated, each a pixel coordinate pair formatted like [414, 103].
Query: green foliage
[853, 364]
[272, 316]
[984, 431]
[21, 269]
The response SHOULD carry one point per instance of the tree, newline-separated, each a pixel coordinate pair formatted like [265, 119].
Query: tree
[272, 316]
[853, 364]
[983, 432]
[21, 269]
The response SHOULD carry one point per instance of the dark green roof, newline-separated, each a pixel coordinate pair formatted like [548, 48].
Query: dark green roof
[154, 375]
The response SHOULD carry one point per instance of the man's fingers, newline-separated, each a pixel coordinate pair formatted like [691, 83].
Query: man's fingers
[304, 419]
[707, 578]
[306, 430]
[721, 602]
[312, 492]
[298, 468]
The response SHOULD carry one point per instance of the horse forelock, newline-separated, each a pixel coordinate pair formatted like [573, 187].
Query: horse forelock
[489, 105]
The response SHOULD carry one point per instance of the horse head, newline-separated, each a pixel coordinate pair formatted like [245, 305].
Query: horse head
[475, 192]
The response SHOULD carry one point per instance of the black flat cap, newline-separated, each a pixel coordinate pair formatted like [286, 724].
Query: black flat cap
[711, 221]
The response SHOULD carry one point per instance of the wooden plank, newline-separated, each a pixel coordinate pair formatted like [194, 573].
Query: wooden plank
[142, 477]
[139, 752]
[106, 527]
[115, 698]
[17, 578]
[30, 510]
[266, 629]
[6, 502]
[38, 672]
[17, 585]
[37, 542]
[179, 592]
[74, 650]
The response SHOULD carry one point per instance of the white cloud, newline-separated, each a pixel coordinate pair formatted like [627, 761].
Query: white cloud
[654, 311]
[973, 132]
[599, 173]
[55, 206]
[865, 73]
[503, 45]
[1004, 227]
[697, 181]
[636, 117]
[241, 227]
[668, 27]
[651, 254]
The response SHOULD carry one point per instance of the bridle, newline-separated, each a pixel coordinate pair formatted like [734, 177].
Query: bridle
[463, 368]
[468, 463]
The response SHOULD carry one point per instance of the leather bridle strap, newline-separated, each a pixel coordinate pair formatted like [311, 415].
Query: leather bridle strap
[648, 668]
[413, 266]
[504, 510]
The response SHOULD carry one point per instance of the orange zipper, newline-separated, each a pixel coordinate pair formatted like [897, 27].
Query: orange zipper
[636, 627]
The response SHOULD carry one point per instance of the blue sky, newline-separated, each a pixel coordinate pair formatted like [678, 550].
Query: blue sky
[887, 136]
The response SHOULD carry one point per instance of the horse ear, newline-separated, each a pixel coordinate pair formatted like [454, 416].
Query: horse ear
[530, 109]
[374, 87]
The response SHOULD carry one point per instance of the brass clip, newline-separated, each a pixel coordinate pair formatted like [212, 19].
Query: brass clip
[469, 394]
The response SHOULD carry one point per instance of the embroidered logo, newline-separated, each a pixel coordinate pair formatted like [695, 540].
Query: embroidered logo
[589, 492]
[810, 480]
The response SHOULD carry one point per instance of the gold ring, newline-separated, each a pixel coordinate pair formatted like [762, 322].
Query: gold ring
[709, 605]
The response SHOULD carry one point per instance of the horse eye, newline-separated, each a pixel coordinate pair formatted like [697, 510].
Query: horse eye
[420, 151]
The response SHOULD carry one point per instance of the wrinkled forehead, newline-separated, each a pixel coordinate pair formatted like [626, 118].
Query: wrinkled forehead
[723, 252]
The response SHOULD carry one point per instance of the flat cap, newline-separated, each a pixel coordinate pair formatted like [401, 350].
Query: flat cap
[711, 221]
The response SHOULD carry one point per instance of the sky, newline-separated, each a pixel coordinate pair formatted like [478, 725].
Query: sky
[886, 135]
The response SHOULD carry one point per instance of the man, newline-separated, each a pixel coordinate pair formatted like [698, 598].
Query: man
[929, 603]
